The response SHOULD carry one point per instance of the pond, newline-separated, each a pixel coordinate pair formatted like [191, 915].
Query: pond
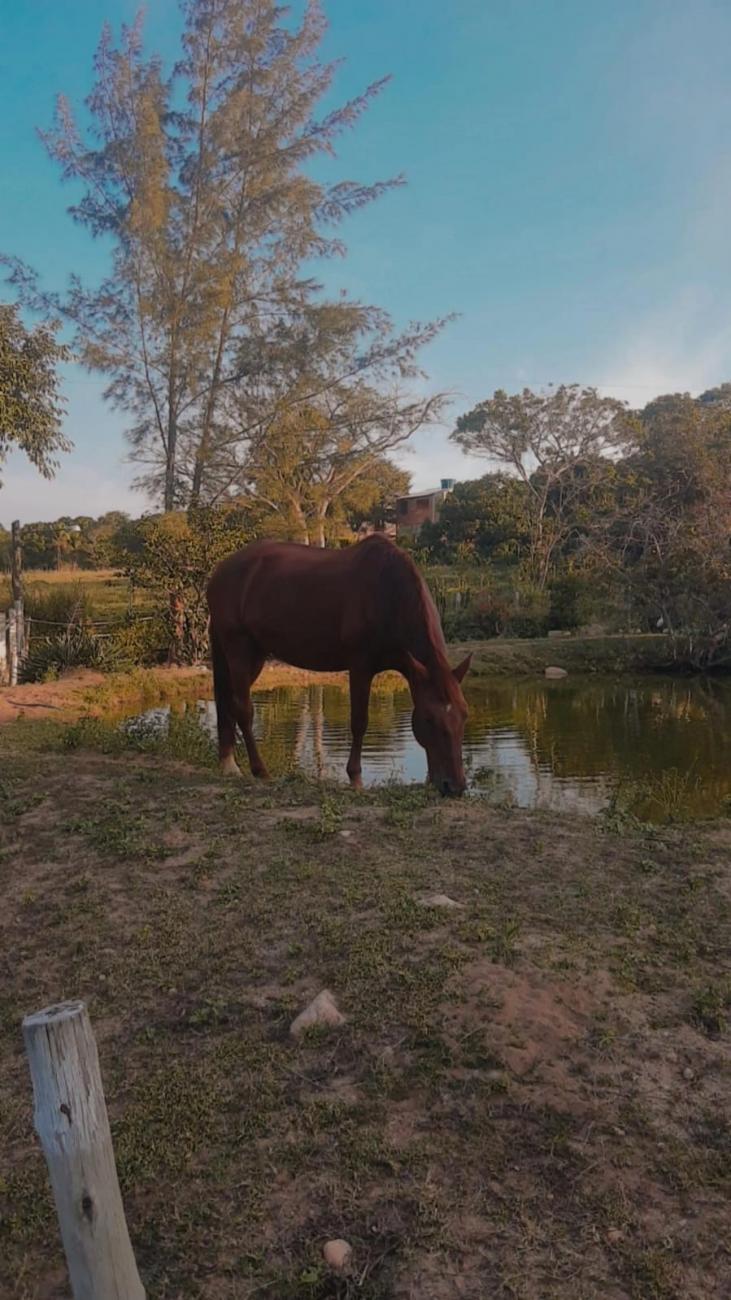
[662, 744]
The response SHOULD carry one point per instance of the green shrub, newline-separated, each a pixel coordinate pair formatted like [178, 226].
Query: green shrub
[52, 609]
[75, 647]
[529, 614]
[573, 601]
[141, 642]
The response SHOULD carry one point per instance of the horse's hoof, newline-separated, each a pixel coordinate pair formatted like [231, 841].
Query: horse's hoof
[261, 774]
[356, 782]
[229, 767]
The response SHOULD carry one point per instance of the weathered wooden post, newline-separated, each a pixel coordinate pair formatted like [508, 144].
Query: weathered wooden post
[16, 575]
[12, 647]
[71, 1122]
[16, 560]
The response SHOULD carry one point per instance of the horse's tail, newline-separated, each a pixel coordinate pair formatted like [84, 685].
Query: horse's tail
[222, 687]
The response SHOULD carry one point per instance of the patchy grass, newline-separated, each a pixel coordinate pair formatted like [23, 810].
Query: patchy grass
[108, 593]
[528, 1099]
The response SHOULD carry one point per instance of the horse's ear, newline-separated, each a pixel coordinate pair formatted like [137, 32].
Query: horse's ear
[416, 668]
[462, 669]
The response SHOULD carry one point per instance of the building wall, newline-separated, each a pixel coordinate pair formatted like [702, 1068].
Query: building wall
[412, 512]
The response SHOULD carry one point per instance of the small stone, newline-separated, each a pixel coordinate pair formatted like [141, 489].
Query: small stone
[688, 1073]
[346, 835]
[438, 900]
[554, 674]
[321, 1011]
[614, 1235]
[338, 1255]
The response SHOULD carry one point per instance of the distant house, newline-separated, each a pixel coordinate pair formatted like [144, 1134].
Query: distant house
[421, 508]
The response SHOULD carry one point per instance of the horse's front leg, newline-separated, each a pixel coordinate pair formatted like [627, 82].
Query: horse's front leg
[360, 694]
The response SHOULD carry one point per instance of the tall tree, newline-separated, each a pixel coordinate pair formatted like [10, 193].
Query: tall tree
[31, 407]
[315, 406]
[202, 180]
[372, 498]
[554, 442]
[668, 537]
[312, 456]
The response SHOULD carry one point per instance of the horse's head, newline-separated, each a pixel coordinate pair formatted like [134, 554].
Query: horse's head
[438, 721]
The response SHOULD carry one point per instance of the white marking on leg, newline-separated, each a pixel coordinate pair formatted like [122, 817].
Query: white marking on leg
[229, 767]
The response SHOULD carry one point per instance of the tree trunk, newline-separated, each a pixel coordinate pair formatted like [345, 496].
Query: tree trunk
[177, 629]
[301, 520]
[170, 459]
[321, 516]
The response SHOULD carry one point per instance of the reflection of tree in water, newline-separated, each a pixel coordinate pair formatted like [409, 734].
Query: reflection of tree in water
[309, 727]
[587, 730]
[564, 743]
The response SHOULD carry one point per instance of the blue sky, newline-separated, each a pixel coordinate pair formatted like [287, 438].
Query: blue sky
[569, 192]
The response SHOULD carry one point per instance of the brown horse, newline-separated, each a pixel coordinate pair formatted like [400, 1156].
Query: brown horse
[366, 609]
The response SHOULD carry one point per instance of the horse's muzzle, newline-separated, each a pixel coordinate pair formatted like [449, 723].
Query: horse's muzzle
[452, 789]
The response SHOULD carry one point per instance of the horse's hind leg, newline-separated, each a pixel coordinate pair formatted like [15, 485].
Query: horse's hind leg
[245, 664]
[225, 716]
[360, 694]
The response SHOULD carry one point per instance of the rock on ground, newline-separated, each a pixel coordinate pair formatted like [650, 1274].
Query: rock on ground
[437, 900]
[321, 1011]
[338, 1255]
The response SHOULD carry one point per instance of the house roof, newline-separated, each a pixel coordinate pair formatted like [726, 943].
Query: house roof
[425, 492]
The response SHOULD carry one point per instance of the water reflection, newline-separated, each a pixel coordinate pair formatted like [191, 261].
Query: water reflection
[563, 745]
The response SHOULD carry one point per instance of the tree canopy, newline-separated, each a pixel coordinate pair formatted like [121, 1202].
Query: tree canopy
[202, 180]
[554, 443]
[31, 407]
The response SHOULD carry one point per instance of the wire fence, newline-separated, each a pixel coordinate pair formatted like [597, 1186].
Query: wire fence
[93, 624]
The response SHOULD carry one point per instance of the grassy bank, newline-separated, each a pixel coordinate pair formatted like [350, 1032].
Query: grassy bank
[608, 654]
[86, 692]
[529, 1097]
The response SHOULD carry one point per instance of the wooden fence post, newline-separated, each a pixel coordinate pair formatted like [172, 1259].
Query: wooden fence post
[20, 630]
[12, 647]
[16, 560]
[71, 1122]
[3, 650]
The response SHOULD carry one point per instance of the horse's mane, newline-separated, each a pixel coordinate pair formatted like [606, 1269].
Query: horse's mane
[412, 609]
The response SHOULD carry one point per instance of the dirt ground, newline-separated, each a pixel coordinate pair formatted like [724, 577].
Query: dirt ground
[529, 1097]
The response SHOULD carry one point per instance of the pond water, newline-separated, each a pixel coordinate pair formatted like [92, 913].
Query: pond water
[537, 744]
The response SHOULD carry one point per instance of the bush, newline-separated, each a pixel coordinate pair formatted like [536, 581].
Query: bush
[75, 647]
[141, 642]
[173, 558]
[529, 615]
[57, 607]
[526, 626]
[492, 613]
[480, 617]
[573, 601]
